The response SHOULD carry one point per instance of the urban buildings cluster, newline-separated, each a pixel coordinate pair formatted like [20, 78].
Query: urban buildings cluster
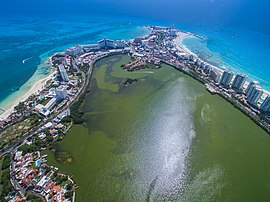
[161, 43]
[73, 70]
[60, 94]
[65, 86]
[255, 96]
[47, 108]
[102, 44]
[31, 173]
[252, 90]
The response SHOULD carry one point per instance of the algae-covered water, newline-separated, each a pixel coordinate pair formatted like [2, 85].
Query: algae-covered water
[163, 138]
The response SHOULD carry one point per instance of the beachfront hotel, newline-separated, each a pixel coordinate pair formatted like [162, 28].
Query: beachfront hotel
[46, 110]
[226, 78]
[106, 43]
[254, 95]
[239, 81]
[120, 43]
[172, 32]
[61, 93]
[63, 73]
[251, 86]
[215, 75]
[265, 107]
[90, 47]
[74, 50]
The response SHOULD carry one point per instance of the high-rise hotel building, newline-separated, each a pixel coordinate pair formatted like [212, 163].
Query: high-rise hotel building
[254, 94]
[265, 107]
[239, 81]
[226, 78]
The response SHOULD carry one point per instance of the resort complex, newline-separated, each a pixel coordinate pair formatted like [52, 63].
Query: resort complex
[45, 117]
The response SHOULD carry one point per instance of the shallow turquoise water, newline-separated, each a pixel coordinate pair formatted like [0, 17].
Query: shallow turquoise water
[234, 48]
[34, 40]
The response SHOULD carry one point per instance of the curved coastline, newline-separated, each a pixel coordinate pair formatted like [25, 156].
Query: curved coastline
[190, 72]
[235, 103]
[36, 82]
[178, 41]
[225, 64]
[32, 86]
[182, 47]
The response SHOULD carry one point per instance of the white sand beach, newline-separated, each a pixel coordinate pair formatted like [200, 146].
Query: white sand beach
[36, 88]
[178, 42]
[182, 48]
[179, 45]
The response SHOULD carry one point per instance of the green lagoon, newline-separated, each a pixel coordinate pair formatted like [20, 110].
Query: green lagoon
[163, 138]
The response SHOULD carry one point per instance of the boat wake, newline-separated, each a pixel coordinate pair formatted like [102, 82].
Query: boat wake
[146, 72]
[25, 60]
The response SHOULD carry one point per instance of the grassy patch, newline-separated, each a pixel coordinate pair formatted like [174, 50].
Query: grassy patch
[18, 129]
[15, 131]
[1, 186]
[32, 197]
[6, 186]
[1, 162]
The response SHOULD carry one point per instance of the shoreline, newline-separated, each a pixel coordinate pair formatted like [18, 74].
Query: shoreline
[38, 84]
[86, 76]
[35, 84]
[180, 46]
[229, 100]
[16, 99]
[235, 103]
[82, 124]
[178, 41]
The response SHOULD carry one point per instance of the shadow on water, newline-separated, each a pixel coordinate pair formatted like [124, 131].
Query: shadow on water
[151, 188]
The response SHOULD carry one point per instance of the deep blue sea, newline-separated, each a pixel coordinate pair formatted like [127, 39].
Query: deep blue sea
[236, 32]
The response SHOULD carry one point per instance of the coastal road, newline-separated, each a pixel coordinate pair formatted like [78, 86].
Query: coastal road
[20, 141]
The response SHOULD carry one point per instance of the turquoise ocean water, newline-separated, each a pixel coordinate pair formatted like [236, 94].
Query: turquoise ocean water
[35, 39]
[240, 50]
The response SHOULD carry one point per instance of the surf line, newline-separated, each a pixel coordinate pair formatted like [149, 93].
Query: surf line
[26, 59]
